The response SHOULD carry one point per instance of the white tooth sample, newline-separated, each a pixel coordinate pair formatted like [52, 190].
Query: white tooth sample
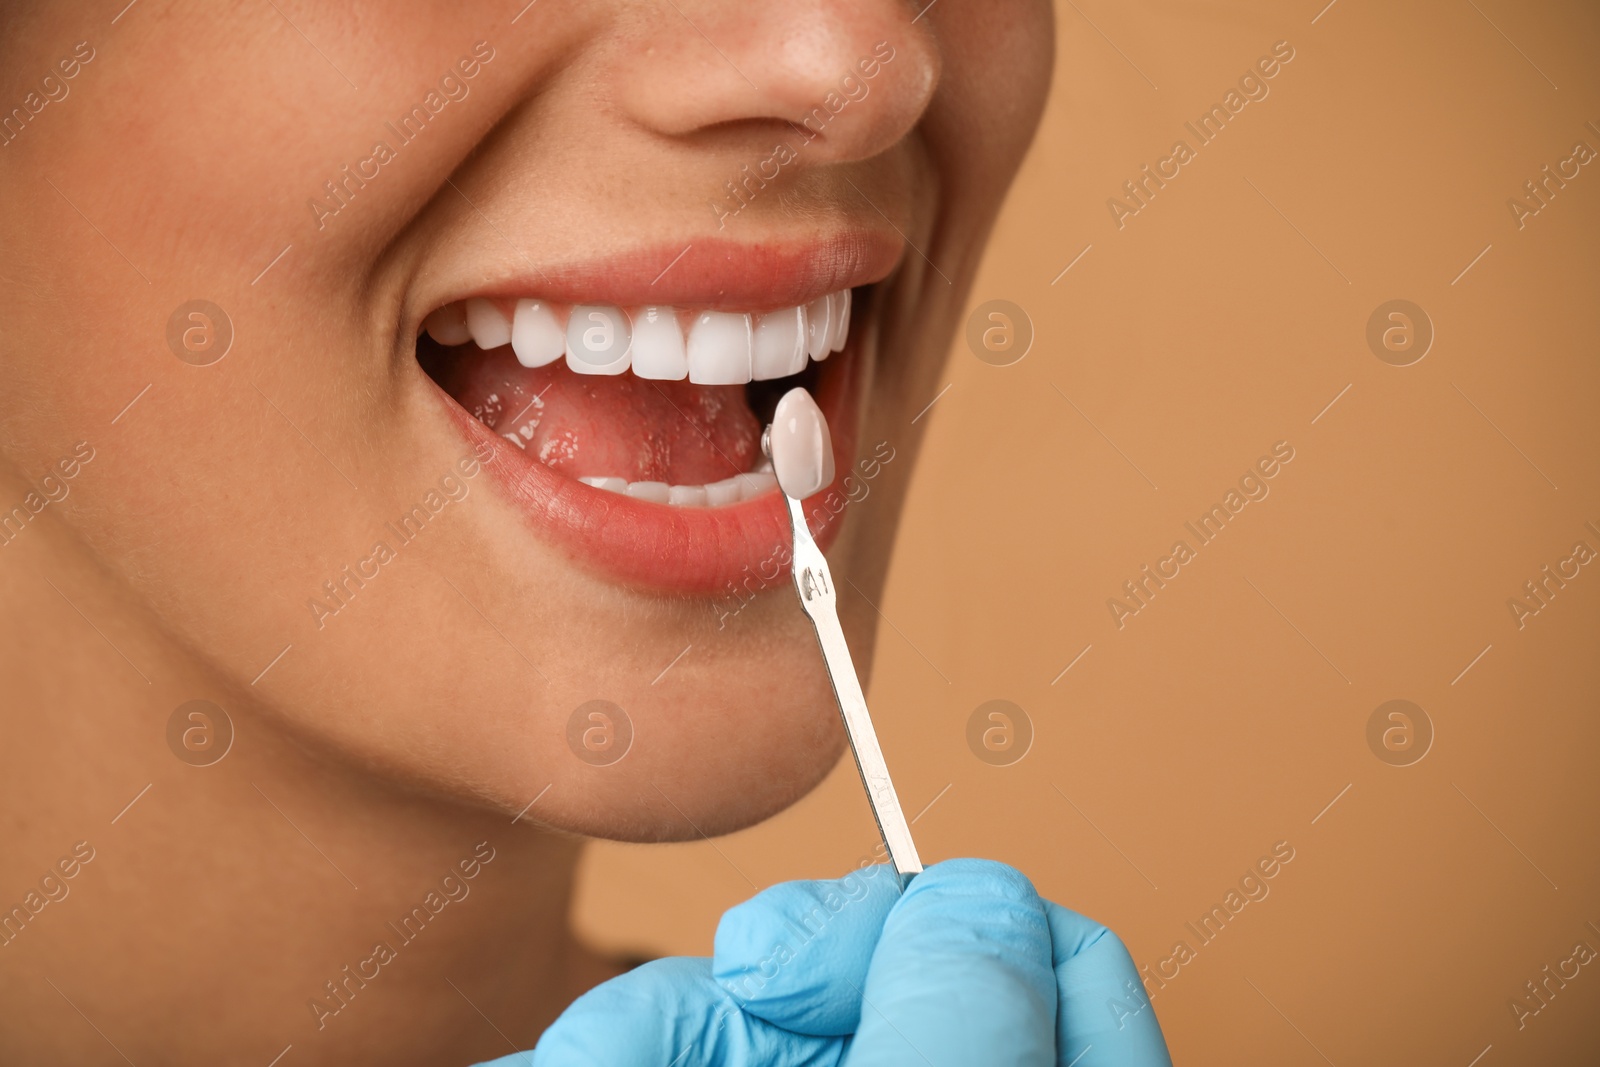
[655, 492]
[658, 351]
[615, 485]
[819, 327]
[489, 326]
[779, 346]
[802, 450]
[692, 496]
[538, 336]
[447, 325]
[727, 491]
[598, 338]
[719, 348]
[840, 302]
[755, 483]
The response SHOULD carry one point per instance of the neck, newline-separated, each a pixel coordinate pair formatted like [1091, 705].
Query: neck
[274, 897]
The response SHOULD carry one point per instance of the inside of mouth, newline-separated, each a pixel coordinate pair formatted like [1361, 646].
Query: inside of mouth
[615, 426]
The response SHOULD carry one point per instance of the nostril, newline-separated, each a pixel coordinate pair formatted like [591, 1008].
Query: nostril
[844, 80]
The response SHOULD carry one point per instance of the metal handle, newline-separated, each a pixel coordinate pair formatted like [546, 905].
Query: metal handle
[814, 582]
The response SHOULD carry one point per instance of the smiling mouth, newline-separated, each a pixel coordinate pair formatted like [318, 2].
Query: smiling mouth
[629, 434]
[656, 403]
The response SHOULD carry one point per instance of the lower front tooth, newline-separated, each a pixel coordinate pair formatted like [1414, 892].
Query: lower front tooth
[536, 334]
[727, 491]
[615, 485]
[755, 484]
[598, 339]
[687, 495]
[655, 492]
[719, 348]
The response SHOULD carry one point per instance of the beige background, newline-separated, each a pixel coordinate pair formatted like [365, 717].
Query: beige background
[1227, 715]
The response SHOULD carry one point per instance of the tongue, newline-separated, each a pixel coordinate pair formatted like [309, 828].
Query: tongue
[608, 426]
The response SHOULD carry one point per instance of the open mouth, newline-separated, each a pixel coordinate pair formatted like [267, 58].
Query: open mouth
[631, 434]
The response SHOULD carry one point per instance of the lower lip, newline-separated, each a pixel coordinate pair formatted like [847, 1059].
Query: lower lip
[693, 551]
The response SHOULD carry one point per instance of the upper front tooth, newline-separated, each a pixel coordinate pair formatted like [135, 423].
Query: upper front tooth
[819, 327]
[658, 345]
[447, 325]
[598, 338]
[719, 348]
[840, 304]
[489, 326]
[779, 347]
[537, 336]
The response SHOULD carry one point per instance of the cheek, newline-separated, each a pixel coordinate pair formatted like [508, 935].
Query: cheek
[995, 78]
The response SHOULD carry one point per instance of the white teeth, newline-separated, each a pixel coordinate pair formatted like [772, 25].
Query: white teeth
[447, 325]
[755, 483]
[658, 345]
[488, 325]
[655, 492]
[779, 346]
[719, 348]
[819, 327]
[687, 495]
[598, 338]
[839, 330]
[739, 488]
[727, 491]
[537, 336]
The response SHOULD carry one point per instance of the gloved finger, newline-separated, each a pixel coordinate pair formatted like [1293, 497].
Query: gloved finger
[962, 974]
[1104, 1019]
[796, 954]
[669, 1011]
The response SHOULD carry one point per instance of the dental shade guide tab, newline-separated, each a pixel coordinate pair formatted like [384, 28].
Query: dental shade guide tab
[802, 459]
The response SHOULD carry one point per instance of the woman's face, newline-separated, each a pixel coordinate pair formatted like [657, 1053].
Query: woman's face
[225, 228]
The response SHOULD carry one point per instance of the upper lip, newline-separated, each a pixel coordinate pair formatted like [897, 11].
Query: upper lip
[711, 273]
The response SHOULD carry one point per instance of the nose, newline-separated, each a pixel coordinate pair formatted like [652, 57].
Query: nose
[844, 78]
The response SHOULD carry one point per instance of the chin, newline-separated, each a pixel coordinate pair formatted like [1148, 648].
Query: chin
[724, 741]
[626, 495]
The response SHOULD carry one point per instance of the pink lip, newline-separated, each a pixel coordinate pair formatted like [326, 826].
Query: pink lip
[711, 273]
[738, 549]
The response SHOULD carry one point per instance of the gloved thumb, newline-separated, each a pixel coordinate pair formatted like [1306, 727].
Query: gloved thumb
[796, 955]
[962, 974]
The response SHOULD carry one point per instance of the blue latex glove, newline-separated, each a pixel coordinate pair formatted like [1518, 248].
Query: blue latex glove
[969, 966]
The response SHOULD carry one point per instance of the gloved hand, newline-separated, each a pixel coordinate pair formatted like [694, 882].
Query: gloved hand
[968, 967]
